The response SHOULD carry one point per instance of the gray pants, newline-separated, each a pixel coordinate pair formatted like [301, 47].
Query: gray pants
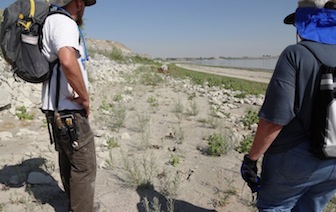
[78, 166]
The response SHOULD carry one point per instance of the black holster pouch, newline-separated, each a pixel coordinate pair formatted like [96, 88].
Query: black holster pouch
[62, 127]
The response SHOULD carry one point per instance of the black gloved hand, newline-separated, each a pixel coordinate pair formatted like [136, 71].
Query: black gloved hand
[249, 172]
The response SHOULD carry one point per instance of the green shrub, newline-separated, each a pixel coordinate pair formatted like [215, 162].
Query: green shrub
[219, 144]
[23, 114]
[245, 144]
[250, 117]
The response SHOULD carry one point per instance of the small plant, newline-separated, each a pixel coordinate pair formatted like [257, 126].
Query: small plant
[112, 143]
[105, 106]
[174, 160]
[148, 77]
[169, 189]
[222, 196]
[139, 174]
[219, 144]
[250, 117]
[117, 98]
[109, 161]
[23, 114]
[241, 95]
[142, 122]
[245, 144]
[118, 115]
[178, 109]
[179, 135]
[193, 110]
[153, 102]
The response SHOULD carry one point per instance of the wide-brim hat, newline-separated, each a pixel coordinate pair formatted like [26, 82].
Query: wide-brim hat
[62, 3]
[290, 19]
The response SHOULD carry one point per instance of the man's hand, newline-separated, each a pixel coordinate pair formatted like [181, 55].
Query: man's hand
[84, 103]
[249, 172]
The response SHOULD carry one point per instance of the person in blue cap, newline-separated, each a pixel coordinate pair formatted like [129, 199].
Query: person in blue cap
[292, 177]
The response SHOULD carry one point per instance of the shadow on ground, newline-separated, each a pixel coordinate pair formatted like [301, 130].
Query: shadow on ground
[150, 194]
[15, 176]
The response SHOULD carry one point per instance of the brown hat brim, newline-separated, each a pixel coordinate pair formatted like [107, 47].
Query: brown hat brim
[290, 19]
[89, 2]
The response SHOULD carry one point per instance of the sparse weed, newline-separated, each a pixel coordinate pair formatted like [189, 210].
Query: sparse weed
[250, 117]
[174, 160]
[139, 175]
[193, 110]
[148, 77]
[241, 95]
[112, 142]
[153, 102]
[23, 114]
[146, 205]
[116, 55]
[178, 109]
[223, 195]
[170, 186]
[117, 98]
[142, 122]
[179, 135]
[109, 161]
[156, 205]
[245, 144]
[113, 114]
[118, 115]
[105, 106]
[219, 144]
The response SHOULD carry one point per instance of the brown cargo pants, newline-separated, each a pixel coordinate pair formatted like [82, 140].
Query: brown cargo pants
[78, 166]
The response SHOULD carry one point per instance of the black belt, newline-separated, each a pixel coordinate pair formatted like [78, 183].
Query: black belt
[65, 112]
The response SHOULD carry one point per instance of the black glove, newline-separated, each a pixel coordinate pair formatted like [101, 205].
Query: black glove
[249, 172]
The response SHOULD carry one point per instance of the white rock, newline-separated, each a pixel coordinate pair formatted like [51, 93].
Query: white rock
[5, 136]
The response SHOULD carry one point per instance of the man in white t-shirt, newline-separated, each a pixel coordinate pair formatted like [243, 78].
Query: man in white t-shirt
[65, 100]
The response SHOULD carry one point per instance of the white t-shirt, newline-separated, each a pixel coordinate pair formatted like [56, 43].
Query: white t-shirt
[61, 31]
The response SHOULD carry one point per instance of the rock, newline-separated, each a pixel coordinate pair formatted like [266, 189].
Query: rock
[5, 98]
[5, 136]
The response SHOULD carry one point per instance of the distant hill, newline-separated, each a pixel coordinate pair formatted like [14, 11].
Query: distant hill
[106, 45]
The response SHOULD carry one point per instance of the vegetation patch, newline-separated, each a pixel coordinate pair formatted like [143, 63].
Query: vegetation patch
[247, 87]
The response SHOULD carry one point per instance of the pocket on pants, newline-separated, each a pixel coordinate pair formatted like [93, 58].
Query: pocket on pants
[298, 165]
[85, 134]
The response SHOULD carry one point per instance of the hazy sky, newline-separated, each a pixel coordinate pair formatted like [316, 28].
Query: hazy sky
[192, 28]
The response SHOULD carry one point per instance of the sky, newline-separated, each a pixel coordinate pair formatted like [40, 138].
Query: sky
[192, 28]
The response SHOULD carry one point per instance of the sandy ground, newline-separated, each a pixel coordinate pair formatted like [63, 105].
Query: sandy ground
[169, 151]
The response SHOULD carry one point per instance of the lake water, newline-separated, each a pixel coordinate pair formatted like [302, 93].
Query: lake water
[260, 63]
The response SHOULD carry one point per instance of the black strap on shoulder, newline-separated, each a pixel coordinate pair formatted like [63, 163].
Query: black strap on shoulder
[58, 82]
